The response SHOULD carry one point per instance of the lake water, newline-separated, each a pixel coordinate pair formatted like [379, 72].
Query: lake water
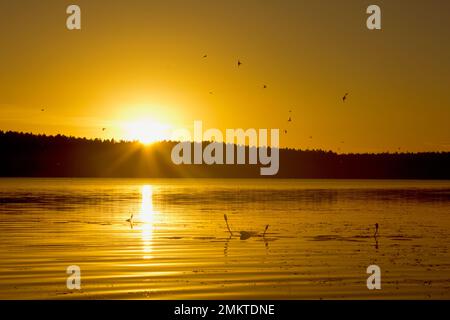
[318, 245]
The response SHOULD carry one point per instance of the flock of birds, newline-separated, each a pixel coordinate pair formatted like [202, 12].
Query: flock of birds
[290, 112]
[239, 63]
[244, 235]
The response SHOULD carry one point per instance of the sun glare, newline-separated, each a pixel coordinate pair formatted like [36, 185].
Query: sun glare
[146, 131]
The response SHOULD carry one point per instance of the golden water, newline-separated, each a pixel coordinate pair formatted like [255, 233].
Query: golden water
[318, 245]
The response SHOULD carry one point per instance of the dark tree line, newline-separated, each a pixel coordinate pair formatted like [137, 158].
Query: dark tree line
[28, 155]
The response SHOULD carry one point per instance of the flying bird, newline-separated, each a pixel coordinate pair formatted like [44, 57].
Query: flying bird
[344, 97]
[289, 120]
[285, 131]
[205, 56]
[103, 129]
[376, 230]
[42, 110]
[239, 63]
[264, 87]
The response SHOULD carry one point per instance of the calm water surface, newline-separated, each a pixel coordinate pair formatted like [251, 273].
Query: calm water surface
[318, 245]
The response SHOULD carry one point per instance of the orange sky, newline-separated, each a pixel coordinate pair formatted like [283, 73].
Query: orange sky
[142, 60]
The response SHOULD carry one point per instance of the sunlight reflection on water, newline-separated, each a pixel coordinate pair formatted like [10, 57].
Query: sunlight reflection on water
[319, 243]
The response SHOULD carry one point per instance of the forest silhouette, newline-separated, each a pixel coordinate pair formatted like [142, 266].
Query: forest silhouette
[30, 155]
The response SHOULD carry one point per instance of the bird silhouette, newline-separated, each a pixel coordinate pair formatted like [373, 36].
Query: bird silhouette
[244, 235]
[239, 63]
[42, 110]
[376, 230]
[130, 219]
[205, 56]
[289, 120]
[265, 230]
[344, 97]
[264, 87]
[285, 131]
[228, 227]
[103, 129]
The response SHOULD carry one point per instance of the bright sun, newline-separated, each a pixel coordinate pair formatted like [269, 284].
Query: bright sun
[146, 131]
